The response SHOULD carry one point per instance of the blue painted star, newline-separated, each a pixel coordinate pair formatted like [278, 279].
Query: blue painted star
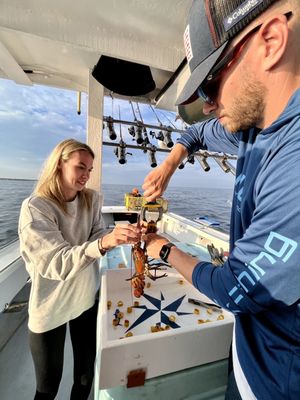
[158, 308]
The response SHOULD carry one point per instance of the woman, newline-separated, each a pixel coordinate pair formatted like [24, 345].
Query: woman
[61, 239]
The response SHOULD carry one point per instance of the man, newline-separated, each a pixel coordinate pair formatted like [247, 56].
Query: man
[244, 58]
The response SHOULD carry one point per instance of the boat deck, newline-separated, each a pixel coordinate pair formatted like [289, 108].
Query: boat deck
[17, 380]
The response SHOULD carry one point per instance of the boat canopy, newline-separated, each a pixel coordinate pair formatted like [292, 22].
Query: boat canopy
[59, 43]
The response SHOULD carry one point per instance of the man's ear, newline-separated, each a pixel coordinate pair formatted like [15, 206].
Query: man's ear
[274, 34]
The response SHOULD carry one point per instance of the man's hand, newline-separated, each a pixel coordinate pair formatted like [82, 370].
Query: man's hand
[182, 262]
[156, 182]
[154, 243]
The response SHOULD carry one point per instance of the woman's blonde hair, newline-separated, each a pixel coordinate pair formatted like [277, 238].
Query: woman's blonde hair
[49, 183]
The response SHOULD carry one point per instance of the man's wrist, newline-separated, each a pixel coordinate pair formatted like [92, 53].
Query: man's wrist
[178, 154]
[170, 166]
[165, 251]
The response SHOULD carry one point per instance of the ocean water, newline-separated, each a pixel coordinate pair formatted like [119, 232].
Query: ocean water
[188, 202]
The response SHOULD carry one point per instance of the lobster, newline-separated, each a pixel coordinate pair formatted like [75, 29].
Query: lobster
[142, 265]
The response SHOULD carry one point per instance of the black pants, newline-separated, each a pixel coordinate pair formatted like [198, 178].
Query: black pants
[47, 351]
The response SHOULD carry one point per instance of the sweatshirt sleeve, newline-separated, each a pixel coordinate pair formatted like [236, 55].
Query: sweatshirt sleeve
[262, 270]
[44, 248]
[209, 135]
[98, 229]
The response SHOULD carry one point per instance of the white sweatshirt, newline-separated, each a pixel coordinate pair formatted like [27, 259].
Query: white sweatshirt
[60, 252]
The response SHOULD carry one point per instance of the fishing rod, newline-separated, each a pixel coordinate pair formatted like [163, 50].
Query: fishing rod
[137, 133]
[146, 140]
[165, 134]
[151, 149]
[159, 136]
[168, 134]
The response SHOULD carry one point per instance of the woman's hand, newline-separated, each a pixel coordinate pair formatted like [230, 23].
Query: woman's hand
[122, 233]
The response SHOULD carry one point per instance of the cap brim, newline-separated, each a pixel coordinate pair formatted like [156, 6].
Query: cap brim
[188, 94]
[193, 112]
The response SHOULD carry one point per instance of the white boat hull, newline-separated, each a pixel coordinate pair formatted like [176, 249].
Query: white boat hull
[13, 275]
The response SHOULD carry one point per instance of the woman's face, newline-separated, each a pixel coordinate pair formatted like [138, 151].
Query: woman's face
[75, 172]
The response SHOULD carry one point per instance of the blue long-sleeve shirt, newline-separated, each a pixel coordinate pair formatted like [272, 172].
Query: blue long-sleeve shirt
[260, 281]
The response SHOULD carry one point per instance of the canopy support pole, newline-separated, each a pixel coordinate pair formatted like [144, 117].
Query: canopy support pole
[95, 130]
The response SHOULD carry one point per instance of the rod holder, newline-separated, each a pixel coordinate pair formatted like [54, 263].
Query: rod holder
[223, 164]
[151, 156]
[204, 164]
[168, 138]
[111, 130]
[78, 103]
[121, 153]
[139, 134]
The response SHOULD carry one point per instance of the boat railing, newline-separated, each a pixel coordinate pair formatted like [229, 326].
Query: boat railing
[184, 230]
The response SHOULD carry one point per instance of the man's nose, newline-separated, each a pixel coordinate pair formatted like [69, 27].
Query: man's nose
[208, 108]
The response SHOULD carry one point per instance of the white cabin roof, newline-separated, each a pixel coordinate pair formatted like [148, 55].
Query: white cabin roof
[60, 41]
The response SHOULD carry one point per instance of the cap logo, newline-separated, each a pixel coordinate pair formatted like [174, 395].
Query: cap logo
[187, 44]
[238, 14]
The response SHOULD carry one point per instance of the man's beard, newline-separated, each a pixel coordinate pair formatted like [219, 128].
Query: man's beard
[248, 105]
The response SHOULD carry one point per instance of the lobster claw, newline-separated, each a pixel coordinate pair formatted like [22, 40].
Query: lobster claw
[138, 284]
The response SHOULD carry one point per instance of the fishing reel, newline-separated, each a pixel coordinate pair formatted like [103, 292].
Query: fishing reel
[157, 135]
[190, 159]
[146, 140]
[121, 152]
[131, 131]
[136, 132]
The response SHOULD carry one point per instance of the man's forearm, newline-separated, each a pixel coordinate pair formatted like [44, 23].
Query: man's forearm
[176, 156]
[183, 263]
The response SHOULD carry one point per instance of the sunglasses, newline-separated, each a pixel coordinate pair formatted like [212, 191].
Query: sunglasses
[210, 85]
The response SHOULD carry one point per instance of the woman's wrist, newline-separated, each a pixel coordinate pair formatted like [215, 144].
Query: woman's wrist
[101, 246]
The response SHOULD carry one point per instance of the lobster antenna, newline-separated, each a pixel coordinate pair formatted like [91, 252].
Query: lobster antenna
[158, 120]
[132, 110]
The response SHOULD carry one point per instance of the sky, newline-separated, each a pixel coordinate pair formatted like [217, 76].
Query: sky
[34, 119]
